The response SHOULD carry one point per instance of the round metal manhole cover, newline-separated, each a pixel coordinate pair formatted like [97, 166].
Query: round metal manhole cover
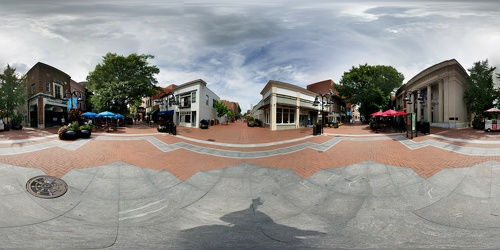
[46, 187]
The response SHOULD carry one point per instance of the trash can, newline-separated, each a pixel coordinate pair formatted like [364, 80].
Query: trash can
[174, 129]
[335, 125]
[426, 128]
[318, 128]
[315, 131]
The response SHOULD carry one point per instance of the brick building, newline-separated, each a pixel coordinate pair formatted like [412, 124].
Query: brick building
[339, 111]
[47, 86]
[232, 106]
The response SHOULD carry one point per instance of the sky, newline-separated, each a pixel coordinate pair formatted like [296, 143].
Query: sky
[238, 46]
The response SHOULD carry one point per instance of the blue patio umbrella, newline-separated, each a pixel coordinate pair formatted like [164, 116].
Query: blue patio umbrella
[107, 114]
[89, 114]
[119, 116]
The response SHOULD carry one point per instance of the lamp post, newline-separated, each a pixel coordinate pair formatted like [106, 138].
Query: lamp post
[329, 98]
[411, 124]
[170, 100]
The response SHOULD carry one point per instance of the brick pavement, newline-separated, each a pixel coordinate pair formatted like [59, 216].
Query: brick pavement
[220, 147]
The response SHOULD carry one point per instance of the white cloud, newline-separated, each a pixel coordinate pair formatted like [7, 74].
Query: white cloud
[238, 47]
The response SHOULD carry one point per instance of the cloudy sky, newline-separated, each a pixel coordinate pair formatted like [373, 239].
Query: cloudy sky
[238, 46]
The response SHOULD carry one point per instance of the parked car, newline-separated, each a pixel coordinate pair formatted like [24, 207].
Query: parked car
[2, 127]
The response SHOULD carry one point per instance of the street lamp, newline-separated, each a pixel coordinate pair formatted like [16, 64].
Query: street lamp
[170, 100]
[329, 97]
[69, 96]
[411, 122]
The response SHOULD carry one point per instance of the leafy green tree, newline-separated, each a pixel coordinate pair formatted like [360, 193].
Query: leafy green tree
[230, 114]
[238, 115]
[369, 86]
[13, 91]
[480, 93]
[220, 108]
[121, 82]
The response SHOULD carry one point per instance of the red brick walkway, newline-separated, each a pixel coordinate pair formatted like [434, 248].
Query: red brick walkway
[426, 161]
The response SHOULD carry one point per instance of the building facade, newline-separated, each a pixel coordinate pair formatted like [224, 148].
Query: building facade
[233, 106]
[436, 95]
[195, 102]
[47, 87]
[285, 106]
[333, 113]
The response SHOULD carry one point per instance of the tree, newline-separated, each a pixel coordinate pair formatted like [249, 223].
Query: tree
[369, 86]
[479, 91]
[221, 108]
[230, 114]
[13, 91]
[238, 115]
[120, 82]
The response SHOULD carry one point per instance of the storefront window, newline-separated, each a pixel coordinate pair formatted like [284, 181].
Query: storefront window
[185, 117]
[279, 113]
[285, 116]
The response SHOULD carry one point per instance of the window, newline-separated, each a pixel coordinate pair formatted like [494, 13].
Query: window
[193, 97]
[47, 87]
[185, 117]
[208, 98]
[32, 88]
[285, 116]
[214, 103]
[185, 101]
[57, 91]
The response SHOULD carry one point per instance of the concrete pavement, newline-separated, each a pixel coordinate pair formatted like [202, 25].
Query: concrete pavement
[233, 186]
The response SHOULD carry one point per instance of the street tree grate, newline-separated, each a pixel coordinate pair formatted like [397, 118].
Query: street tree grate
[46, 187]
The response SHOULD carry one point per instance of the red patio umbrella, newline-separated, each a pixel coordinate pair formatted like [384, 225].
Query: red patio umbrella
[378, 113]
[493, 110]
[389, 112]
[400, 113]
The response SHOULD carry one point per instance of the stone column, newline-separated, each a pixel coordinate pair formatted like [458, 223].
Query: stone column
[272, 108]
[41, 112]
[412, 105]
[419, 109]
[441, 101]
[429, 103]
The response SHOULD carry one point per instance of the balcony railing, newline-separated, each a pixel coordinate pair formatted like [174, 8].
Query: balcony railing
[184, 105]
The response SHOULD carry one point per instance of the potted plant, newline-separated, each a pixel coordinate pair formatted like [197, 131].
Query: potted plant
[85, 131]
[17, 119]
[69, 132]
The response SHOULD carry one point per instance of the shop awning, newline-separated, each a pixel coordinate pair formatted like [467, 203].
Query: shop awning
[152, 111]
[166, 112]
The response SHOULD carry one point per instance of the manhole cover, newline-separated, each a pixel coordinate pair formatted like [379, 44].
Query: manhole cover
[46, 187]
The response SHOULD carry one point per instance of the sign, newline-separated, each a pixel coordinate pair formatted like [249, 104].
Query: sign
[411, 124]
[72, 103]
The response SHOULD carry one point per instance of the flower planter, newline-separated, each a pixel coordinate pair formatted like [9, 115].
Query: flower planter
[17, 127]
[85, 133]
[70, 135]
